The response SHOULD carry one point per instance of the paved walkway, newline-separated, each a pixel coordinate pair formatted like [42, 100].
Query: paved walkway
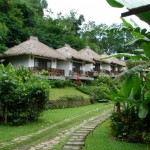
[76, 141]
[77, 133]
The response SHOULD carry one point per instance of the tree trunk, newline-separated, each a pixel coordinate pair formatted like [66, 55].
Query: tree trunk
[5, 114]
[118, 106]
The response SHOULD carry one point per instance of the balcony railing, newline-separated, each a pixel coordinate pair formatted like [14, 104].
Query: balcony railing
[50, 71]
[96, 73]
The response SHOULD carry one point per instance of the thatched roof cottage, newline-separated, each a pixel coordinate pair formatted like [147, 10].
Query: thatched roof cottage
[75, 61]
[33, 54]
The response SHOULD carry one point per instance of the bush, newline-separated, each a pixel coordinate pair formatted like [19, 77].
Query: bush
[97, 93]
[23, 97]
[61, 83]
[68, 102]
[127, 126]
[105, 80]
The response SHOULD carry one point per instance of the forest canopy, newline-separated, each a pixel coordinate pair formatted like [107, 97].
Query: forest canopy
[24, 18]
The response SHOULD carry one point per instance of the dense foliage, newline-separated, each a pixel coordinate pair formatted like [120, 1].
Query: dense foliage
[100, 88]
[23, 97]
[21, 19]
[61, 83]
[130, 121]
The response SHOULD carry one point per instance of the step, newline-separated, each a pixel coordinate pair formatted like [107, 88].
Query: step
[68, 147]
[78, 140]
[75, 143]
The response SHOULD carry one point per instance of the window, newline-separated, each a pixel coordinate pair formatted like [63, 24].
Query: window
[42, 63]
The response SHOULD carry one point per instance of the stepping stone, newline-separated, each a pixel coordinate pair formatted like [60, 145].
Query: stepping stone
[75, 143]
[79, 134]
[77, 137]
[77, 140]
[82, 132]
[68, 147]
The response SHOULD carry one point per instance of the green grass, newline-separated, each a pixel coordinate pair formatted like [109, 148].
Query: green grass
[99, 140]
[55, 93]
[49, 117]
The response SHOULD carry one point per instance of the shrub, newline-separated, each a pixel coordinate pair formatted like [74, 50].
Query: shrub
[105, 80]
[97, 93]
[131, 121]
[68, 101]
[23, 98]
[127, 126]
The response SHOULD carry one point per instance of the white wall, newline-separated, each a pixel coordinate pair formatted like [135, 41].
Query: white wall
[105, 67]
[116, 68]
[21, 60]
[65, 65]
[82, 67]
[89, 67]
[31, 61]
[54, 63]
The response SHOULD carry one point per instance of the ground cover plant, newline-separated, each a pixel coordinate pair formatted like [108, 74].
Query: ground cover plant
[100, 139]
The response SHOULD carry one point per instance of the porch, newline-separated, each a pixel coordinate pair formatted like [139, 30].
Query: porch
[83, 75]
[49, 73]
[96, 73]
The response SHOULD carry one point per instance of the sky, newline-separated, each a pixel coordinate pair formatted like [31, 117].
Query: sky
[93, 10]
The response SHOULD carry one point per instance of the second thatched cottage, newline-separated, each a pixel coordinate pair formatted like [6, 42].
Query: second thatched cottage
[75, 62]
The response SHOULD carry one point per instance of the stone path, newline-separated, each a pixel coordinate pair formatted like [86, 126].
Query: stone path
[78, 132]
[76, 141]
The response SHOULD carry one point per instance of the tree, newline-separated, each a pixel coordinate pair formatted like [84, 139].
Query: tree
[110, 39]
[22, 95]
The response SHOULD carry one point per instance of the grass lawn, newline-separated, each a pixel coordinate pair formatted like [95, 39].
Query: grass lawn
[50, 117]
[55, 93]
[99, 140]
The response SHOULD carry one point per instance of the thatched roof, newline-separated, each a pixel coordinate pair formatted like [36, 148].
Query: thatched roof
[69, 52]
[33, 47]
[87, 52]
[112, 60]
[117, 61]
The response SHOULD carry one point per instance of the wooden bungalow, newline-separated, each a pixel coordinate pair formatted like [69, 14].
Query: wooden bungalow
[96, 68]
[36, 56]
[112, 66]
[75, 63]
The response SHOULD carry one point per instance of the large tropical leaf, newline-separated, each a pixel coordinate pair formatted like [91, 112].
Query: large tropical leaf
[148, 81]
[137, 85]
[139, 41]
[146, 47]
[127, 87]
[114, 3]
[128, 25]
[143, 111]
[119, 3]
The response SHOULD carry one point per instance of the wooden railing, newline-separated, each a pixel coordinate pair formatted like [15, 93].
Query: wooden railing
[50, 71]
[76, 72]
[95, 73]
